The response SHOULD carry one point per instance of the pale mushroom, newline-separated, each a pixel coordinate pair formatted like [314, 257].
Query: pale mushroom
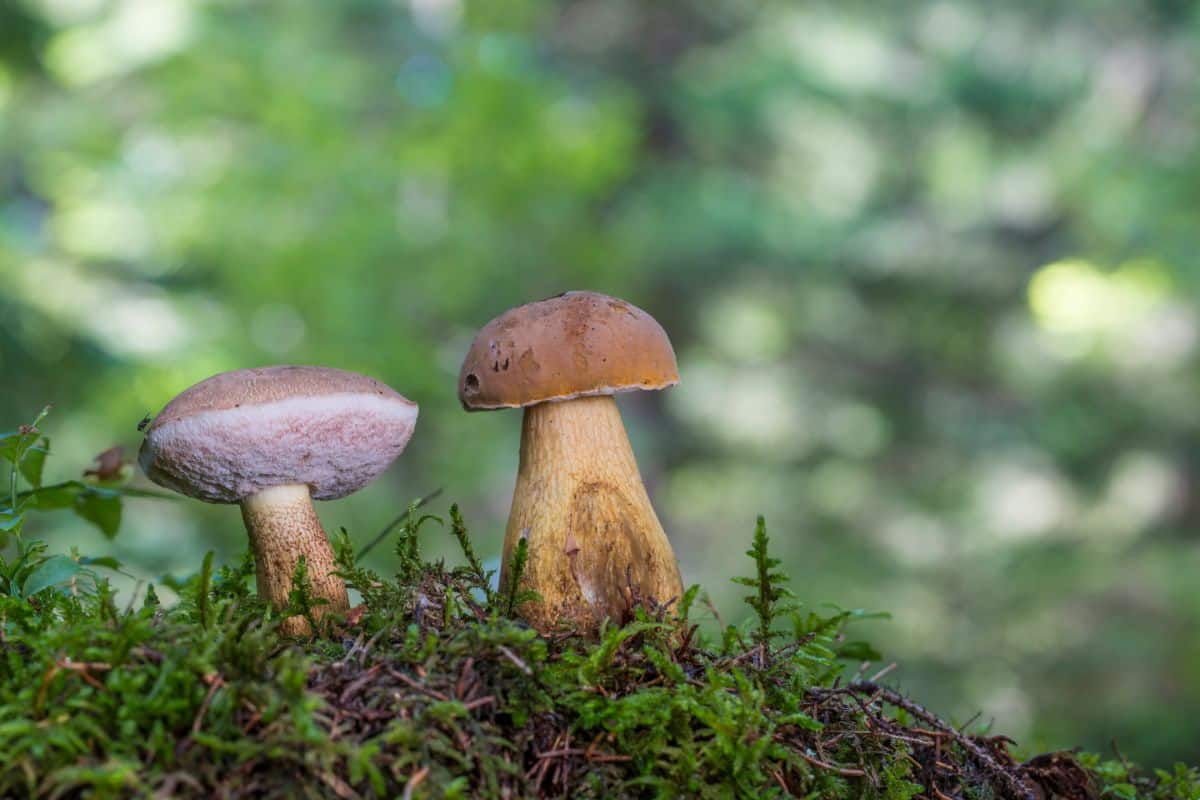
[274, 439]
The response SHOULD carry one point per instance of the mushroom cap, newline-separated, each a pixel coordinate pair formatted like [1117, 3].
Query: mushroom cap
[237, 433]
[572, 345]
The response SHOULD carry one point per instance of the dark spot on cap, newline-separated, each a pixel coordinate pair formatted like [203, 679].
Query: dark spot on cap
[471, 384]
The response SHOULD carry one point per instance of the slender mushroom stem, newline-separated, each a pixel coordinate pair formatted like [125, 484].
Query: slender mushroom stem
[594, 539]
[283, 526]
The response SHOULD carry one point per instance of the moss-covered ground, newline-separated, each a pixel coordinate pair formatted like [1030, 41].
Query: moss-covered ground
[433, 687]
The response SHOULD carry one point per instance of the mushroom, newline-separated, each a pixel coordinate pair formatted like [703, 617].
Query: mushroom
[595, 545]
[274, 439]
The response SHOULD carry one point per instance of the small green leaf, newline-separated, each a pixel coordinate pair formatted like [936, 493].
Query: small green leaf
[51, 572]
[102, 509]
[34, 461]
[10, 522]
[1126, 791]
[52, 498]
[10, 442]
[13, 444]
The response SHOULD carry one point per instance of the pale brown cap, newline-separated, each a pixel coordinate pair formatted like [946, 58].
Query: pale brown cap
[572, 345]
[237, 433]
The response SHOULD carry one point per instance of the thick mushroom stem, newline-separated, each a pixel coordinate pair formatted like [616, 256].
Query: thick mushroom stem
[283, 526]
[595, 543]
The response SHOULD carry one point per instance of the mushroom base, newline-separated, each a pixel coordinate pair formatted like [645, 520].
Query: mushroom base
[596, 546]
[283, 526]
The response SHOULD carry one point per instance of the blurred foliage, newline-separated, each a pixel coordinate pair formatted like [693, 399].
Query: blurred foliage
[930, 268]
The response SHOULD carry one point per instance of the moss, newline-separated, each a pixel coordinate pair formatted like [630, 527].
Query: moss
[432, 689]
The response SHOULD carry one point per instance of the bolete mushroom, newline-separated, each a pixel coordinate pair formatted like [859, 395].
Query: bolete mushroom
[274, 439]
[594, 541]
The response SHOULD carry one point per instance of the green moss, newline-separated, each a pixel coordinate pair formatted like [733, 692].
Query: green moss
[433, 689]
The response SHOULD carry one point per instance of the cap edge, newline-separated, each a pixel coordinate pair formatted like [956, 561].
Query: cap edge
[597, 392]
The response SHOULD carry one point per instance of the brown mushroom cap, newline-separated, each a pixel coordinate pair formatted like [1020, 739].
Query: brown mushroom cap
[572, 345]
[237, 433]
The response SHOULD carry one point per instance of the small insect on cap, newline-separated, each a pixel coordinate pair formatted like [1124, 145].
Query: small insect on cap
[234, 434]
[572, 345]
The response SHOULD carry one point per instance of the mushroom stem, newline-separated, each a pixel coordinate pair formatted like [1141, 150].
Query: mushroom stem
[283, 526]
[595, 543]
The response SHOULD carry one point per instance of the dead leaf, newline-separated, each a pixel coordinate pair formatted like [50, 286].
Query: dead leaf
[108, 464]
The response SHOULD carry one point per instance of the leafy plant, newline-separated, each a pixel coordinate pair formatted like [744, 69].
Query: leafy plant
[1127, 781]
[301, 598]
[97, 501]
[473, 570]
[514, 593]
[408, 547]
[771, 599]
[32, 569]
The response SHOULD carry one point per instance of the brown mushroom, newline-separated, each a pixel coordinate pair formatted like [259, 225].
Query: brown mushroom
[594, 540]
[274, 439]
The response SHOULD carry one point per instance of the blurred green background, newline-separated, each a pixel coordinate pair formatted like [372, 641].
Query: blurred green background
[931, 270]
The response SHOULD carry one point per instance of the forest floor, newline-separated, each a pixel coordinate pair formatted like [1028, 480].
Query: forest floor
[434, 688]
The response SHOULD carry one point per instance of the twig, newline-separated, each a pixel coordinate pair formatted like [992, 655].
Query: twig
[355, 686]
[414, 782]
[876, 677]
[80, 667]
[778, 776]
[1120, 756]
[514, 658]
[974, 717]
[479, 702]
[579, 751]
[342, 789]
[843, 771]
[215, 682]
[434, 693]
[1015, 783]
[397, 522]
